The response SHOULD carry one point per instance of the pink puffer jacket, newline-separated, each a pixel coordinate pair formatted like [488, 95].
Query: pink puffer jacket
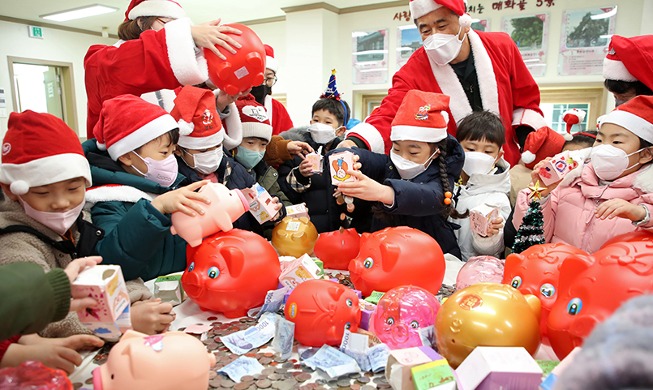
[569, 209]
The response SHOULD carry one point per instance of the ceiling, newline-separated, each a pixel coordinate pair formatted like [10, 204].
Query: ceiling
[199, 10]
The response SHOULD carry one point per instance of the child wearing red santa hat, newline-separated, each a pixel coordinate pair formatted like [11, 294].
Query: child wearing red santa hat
[613, 193]
[413, 186]
[628, 67]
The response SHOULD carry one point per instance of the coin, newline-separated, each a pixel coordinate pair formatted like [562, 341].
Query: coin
[242, 385]
[263, 383]
[247, 378]
[363, 379]
[344, 383]
[227, 383]
[303, 377]
[368, 387]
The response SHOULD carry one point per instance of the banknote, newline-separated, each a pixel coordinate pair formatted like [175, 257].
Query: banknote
[284, 337]
[356, 346]
[378, 357]
[253, 337]
[241, 367]
[333, 362]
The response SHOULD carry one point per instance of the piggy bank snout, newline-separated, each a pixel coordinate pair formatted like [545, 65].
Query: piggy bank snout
[97, 379]
[192, 284]
[400, 333]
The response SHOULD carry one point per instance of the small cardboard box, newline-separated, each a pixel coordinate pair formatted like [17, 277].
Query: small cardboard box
[495, 368]
[400, 362]
[480, 218]
[339, 164]
[297, 211]
[557, 168]
[106, 285]
[261, 204]
[316, 162]
[436, 375]
[301, 270]
[367, 310]
[169, 289]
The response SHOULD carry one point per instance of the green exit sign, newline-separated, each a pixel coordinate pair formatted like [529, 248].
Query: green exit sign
[35, 32]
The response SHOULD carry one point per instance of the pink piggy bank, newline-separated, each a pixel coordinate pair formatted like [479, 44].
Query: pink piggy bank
[536, 270]
[397, 256]
[169, 361]
[592, 287]
[479, 269]
[231, 272]
[400, 314]
[321, 311]
[226, 207]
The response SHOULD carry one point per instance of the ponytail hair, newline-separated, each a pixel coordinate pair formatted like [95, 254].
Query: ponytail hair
[449, 210]
[130, 29]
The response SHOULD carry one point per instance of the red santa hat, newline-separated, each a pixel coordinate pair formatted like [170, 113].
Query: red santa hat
[40, 149]
[419, 8]
[572, 117]
[254, 118]
[128, 122]
[199, 123]
[636, 116]
[630, 59]
[161, 8]
[540, 144]
[422, 116]
[270, 61]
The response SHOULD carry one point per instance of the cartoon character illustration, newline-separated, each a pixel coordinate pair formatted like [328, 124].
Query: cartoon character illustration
[231, 272]
[321, 311]
[340, 167]
[207, 119]
[423, 113]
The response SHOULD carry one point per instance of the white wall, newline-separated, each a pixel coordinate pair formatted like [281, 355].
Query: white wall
[57, 45]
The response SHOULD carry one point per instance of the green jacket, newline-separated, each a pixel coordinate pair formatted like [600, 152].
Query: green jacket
[31, 298]
[137, 236]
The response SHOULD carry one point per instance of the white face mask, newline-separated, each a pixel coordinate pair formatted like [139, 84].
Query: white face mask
[59, 222]
[610, 162]
[207, 162]
[163, 171]
[478, 163]
[321, 133]
[443, 48]
[409, 169]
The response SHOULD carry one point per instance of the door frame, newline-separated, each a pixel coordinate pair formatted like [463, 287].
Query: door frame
[67, 86]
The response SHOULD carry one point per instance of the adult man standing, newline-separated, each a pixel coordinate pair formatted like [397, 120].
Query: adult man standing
[277, 113]
[478, 70]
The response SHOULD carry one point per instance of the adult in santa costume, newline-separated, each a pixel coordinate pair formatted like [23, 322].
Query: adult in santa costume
[159, 51]
[628, 67]
[478, 70]
[277, 112]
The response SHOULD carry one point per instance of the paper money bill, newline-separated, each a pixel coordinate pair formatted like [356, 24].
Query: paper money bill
[284, 337]
[378, 357]
[333, 362]
[245, 340]
[427, 335]
[356, 346]
[241, 367]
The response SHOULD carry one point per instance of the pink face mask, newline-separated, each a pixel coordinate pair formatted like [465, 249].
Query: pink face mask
[59, 222]
[163, 172]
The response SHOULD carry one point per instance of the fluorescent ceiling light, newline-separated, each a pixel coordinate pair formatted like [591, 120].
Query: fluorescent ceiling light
[605, 15]
[79, 13]
[408, 27]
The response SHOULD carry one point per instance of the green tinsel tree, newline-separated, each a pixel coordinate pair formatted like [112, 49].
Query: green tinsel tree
[531, 230]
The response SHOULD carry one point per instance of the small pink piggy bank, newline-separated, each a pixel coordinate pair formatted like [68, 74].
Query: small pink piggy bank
[169, 361]
[226, 207]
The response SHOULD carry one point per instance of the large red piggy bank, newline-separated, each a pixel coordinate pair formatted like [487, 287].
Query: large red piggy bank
[637, 235]
[336, 249]
[321, 311]
[536, 270]
[397, 256]
[592, 287]
[242, 70]
[230, 272]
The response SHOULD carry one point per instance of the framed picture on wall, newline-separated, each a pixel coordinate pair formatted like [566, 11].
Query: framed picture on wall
[530, 34]
[370, 57]
[408, 40]
[584, 40]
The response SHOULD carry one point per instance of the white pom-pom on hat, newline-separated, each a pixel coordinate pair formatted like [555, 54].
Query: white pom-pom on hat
[185, 128]
[528, 157]
[101, 146]
[465, 20]
[19, 187]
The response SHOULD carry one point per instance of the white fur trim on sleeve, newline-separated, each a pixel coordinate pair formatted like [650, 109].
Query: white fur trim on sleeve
[114, 193]
[234, 134]
[370, 134]
[526, 116]
[189, 68]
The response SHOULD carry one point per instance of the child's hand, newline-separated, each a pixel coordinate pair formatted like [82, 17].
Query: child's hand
[223, 99]
[298, 148]
[495, 226]
[79, 342]
[151, 316]
[184, 199]
[52, 355]
[367, 189]
[277, 206]
[535, 177]
[210, 34]
[306, 168]
[346, 144]
[620, 208]
[81, 301]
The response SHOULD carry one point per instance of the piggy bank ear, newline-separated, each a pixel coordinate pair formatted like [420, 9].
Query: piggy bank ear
[513, 261]
[389, 255]
[535, 304]
[298, 235]
[335, 293]
[571, 267]
[234, 258]
[131, 334]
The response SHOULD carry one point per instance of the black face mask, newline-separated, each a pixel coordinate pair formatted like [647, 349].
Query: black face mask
[260, 92]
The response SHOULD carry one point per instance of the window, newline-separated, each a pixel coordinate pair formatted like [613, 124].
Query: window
[553, 114]
[555, 101]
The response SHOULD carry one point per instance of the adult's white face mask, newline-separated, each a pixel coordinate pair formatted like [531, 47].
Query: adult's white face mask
[443, 48]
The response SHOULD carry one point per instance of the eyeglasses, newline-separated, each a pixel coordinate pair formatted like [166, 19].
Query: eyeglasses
[270, 81]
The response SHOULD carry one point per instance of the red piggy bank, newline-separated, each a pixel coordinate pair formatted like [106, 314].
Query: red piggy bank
[397, 256]
[536, 270]
[244, 69]
[637, 235]
[336, 249]
[230, 272]
[321, 311]
[592, 287]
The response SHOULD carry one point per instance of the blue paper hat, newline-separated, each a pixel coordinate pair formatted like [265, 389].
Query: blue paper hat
[332, 90]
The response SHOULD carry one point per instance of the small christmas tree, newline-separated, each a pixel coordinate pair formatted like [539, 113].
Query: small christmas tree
[531, 230]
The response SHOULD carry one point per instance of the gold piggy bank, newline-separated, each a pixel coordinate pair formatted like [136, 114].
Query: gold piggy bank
[294, 236]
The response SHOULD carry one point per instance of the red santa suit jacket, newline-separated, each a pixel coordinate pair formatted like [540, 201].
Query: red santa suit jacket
[506, 87]
[278, 115]
[161, 60]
